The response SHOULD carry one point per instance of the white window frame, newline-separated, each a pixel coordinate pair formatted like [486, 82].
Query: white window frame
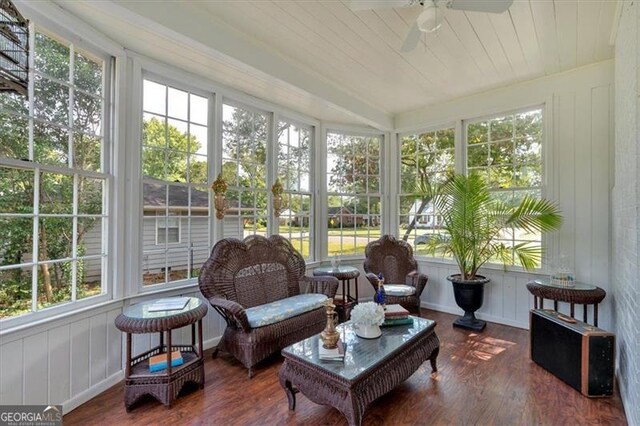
[323, 181]
[99, 48]
[141, 269]
[269, 161]
[543, 150]
[400, 193]
[460, 125]
[275, 228]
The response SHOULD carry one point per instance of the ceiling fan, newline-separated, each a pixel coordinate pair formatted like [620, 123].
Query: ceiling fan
[430, 18]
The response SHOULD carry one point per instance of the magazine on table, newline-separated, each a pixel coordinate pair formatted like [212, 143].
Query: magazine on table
[169, 304]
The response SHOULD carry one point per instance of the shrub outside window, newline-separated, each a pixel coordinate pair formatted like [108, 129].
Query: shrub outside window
[54, 181]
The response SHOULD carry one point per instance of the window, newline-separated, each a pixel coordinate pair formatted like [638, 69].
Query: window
[54, 181]
[175, 183]
[168, 230]
[294, 172]
[244, 168]
[507, 151]
[426, 159]
[353, 192]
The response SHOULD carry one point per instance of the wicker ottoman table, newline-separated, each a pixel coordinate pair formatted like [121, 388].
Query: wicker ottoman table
[371, 367]
[166, 384]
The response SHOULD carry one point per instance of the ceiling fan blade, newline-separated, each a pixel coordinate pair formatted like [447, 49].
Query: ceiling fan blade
[357, 5]
[412, 39]
[489, 6]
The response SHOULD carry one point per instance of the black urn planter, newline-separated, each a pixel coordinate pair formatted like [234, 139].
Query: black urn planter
[469, 296]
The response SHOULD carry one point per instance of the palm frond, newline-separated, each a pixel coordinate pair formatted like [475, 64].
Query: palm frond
[536, 215]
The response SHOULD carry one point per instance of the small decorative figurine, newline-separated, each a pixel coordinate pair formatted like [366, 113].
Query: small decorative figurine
[330, 335]
[381, 295]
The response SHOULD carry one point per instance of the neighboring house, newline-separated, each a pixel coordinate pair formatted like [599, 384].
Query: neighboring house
[173, 229]
[427, 218]
[343, 216]
[291, 218]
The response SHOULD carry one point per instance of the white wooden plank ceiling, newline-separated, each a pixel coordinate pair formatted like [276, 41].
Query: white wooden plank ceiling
[359, 52]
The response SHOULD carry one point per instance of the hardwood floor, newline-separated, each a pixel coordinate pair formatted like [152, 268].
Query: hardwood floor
[484, 378]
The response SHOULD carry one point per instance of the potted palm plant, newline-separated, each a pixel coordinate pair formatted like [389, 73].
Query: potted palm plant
[473, 222]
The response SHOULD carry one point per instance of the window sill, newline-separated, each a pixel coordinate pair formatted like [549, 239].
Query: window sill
[54, 314]
[487, 267]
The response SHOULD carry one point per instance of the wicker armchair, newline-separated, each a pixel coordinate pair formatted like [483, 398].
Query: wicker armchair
[394, 258]
[244, 274]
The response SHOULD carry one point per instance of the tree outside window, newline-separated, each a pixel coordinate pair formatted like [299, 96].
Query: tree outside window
[353, 192]
[426, 161]
[176, 236]
[506, 151]
[53, 181]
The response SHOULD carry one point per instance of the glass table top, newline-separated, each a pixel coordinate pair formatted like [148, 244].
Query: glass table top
[145, 310]
[360, 354]
[573, 286]
[336, 269]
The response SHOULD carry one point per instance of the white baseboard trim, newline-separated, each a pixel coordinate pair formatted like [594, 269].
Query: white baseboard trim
[457, 311]
[92, 392]
[210, 343]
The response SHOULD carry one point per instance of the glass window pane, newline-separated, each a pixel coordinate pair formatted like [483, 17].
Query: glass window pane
[89, 240]
[51, 144]
[16, 190]
[14, 136]
[56, 193]
[51, 101]
[54, 283]
[52, 57]
[15, 292]
[501, 128]
[199, 109]
[55, 238]
[87, 152]
[154, 97]
[154, 267]
[87, 113]
[477, 133]
[90, 195]
[178, 104]
[89, 277]
[87, 73]
[16, 244]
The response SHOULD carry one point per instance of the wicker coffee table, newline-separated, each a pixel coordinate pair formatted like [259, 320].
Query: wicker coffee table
[166, 384]
[371, 367]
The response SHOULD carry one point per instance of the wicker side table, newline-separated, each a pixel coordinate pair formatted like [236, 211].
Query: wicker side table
[166, 384]
[344, 302]
[582, 294]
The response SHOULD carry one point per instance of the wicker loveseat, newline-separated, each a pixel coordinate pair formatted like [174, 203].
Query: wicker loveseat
[394, 259]
[259, 288]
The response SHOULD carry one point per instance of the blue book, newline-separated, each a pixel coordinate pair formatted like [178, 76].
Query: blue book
[159, 362]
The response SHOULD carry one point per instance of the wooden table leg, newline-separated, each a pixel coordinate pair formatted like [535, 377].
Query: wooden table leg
[555, 305]
[535, 302]
[595, 314]
[584, 312]
[162, 341]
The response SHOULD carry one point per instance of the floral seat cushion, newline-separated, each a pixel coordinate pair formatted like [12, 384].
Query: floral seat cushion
[399, 290]
[271, 313]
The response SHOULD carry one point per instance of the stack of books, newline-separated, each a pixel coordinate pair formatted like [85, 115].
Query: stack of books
[159, 362]
[396, 315]
[335, 354]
